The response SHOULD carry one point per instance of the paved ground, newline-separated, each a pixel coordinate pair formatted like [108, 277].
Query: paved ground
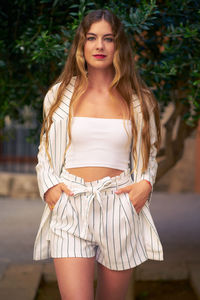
[176, 216]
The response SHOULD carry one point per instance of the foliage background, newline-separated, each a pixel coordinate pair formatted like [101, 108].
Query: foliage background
[35, 38]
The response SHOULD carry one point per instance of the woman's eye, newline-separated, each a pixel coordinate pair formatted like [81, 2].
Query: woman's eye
[109, 39]
[90, 38]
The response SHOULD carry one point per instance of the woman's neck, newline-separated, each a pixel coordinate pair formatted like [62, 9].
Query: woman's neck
[100, 79]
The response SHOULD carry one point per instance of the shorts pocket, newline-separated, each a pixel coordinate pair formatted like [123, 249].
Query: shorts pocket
[57, 203]
[128, 209]
[131, 205]
[132, 224]
[58, 208]
[65, 217]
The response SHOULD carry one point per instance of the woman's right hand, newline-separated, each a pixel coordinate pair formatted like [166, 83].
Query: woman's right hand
[53, 194]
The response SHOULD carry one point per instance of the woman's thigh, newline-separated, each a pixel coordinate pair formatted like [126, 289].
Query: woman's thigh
[112, 285]
[75, 277]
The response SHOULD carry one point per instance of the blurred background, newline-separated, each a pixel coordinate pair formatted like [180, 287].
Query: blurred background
[35, 37]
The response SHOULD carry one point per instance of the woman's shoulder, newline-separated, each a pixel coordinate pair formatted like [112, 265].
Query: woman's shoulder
[51, 95]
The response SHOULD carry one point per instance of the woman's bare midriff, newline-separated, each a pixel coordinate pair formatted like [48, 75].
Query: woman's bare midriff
[94, 173]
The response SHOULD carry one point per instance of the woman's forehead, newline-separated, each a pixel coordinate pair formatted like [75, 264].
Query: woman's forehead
[101, 27]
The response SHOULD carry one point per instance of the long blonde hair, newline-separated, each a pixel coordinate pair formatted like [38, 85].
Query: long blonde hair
[126, 81]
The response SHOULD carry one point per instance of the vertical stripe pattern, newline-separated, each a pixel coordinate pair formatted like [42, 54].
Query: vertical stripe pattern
[59, 231]
[97, 222]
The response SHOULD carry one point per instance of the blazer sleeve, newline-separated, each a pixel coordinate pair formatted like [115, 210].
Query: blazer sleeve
[46, 175]
[151, 171]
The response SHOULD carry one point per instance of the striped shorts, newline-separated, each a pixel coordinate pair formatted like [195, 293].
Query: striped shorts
[96, 222]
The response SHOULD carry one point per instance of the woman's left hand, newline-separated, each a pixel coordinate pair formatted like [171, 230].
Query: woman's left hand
[138, 193]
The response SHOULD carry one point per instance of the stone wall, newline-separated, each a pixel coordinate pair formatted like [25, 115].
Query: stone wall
[17, 185]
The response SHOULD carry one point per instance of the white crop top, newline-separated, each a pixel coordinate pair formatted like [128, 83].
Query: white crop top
[99, 142]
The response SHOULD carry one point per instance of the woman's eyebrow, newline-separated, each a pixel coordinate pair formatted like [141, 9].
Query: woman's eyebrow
[91, 33]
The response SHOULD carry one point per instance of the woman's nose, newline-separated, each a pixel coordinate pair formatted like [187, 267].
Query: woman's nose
[99, 44]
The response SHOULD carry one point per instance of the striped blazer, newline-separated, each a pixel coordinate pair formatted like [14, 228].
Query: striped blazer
[48, 175]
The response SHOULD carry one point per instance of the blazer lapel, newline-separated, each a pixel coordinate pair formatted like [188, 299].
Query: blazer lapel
[62, 111]
[58, 136]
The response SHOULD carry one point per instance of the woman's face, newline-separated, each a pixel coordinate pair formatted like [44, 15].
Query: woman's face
[99, 46]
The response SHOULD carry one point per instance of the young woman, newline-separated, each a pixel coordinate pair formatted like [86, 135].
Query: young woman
[97, 165]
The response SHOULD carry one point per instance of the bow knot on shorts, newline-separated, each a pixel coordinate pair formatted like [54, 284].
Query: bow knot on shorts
[94, 193]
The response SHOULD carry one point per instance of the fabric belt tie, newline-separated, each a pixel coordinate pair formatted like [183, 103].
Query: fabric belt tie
[94, 193]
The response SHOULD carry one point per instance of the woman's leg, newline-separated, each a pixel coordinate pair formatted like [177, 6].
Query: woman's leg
[75, 277]
[112, 285]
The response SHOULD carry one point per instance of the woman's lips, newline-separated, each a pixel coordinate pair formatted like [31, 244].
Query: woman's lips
[99, 56]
